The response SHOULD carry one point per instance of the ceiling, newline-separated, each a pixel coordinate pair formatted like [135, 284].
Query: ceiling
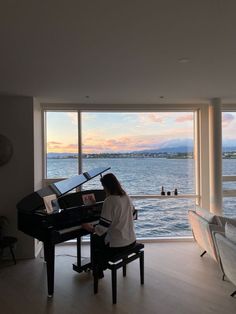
[119, 51]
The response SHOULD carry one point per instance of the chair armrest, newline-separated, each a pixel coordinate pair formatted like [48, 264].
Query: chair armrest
[214, 232]
[216, 228]
[222, 220]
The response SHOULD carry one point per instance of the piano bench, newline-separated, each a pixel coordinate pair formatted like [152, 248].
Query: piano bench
[121, 260]
[8, 242]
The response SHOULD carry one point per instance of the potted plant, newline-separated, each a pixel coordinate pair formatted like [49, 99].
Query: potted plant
[3, 222]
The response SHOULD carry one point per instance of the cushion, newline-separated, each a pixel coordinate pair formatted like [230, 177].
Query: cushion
[230, 232]
[204, 213]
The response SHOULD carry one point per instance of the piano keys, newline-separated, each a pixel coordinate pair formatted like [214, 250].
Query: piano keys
[64, 223]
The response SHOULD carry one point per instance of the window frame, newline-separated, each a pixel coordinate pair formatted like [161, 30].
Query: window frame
[227, 178]
[196, 109]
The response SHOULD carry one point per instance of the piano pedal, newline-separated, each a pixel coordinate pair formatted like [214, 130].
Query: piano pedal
[85, 267]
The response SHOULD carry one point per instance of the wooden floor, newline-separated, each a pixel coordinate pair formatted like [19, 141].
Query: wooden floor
[177, 281]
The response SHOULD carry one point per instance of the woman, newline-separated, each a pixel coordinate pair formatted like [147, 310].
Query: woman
[115, 231]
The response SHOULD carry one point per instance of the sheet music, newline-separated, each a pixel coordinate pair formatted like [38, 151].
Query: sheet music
[48, 202]
[88, 199]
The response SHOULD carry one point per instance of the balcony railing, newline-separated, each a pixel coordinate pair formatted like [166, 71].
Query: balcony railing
[229, 192]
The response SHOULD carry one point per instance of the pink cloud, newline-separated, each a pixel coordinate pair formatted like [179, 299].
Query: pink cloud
[61, 147]
[155, 117]
[152, 117]
[96, 143]
[54, 143]
[184, 118]
[72, 146]
[120, 144]
[227, 118]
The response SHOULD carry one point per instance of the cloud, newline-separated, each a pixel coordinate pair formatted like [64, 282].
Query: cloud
[54, 143]
[88, 117]
[139, 131]
[122, 144]
[73, 117]
[58, 147]
[98, 144]
[161, 117]
[152, 117]
[107, 145]
[184, 118]
[155, 117]
[227, 118]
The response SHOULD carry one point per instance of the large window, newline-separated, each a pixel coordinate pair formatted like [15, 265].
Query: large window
[145, 150]
[61, 144]
[229, 163]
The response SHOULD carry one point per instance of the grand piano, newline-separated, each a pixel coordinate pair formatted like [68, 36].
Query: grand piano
[64, 221]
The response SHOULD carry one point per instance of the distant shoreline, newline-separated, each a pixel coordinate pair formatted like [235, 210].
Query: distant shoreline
[174, 155]
[126, 155]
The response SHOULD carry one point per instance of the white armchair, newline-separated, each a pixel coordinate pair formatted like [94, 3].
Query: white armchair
[226, 247]
[203, 224]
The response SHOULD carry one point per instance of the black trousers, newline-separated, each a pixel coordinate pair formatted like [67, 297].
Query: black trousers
[101, 252]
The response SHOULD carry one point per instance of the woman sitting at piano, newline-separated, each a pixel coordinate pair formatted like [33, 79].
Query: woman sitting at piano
[115, 231]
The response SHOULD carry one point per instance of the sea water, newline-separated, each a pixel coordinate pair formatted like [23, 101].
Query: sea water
[142, 176]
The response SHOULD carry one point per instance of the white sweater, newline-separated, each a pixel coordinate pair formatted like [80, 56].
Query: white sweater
[117, 220]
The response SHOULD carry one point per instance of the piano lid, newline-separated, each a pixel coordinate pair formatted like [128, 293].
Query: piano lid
[64, 186]
[34, 201]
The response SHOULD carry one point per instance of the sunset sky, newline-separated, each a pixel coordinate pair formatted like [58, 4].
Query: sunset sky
[123, 132]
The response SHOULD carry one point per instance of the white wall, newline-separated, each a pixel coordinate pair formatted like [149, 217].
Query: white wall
[17, 176]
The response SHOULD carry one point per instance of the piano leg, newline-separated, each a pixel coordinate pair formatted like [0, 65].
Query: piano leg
[78, 252]
[44, 253]
[81, 265]
[49, 253]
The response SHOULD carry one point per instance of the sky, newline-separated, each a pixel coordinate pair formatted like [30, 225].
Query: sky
[106, 132]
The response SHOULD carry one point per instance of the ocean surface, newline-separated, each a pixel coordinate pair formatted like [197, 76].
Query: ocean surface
[156, 217]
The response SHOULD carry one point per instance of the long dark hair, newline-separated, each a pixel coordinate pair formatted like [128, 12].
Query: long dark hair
[113, 186]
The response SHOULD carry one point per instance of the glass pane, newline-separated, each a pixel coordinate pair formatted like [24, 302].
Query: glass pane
[229, 206]
[163, 218]
[145, 151]
[62, 144]
[229, 160]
